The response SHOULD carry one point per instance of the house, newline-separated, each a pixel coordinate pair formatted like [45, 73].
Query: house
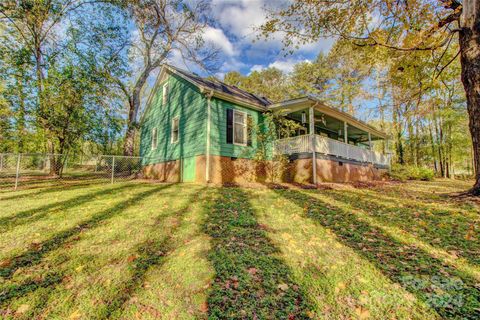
[197, 130]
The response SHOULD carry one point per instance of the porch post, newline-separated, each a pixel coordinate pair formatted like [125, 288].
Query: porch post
[311, 121]
[370, 154]
[345, 132]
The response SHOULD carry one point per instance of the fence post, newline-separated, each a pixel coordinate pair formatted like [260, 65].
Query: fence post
[18, 170]
[113, 167]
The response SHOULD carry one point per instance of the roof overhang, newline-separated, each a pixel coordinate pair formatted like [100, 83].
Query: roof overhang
[293, 105]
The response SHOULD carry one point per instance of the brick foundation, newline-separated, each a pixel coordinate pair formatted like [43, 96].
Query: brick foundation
[238, 171]
[340, 171]
[245, 171]
[165, 172]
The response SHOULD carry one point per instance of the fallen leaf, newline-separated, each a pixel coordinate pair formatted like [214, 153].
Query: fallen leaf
[23, 308]
[5, 263]
[252, 271]
[75, 315]
[362, 313]
[283, 286]
[204, 307]
[132, 258]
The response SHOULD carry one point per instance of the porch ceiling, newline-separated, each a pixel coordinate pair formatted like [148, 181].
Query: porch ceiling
[334, 126]
[334, 118]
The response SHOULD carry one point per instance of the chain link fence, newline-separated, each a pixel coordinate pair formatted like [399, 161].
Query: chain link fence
[17, 170]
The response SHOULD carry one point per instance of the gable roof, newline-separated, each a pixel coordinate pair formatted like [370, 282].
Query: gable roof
[221, 87]
[233, 94]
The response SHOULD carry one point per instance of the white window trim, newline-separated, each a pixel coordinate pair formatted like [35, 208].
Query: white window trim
[154, 138]
[178, 129]
[164, 93]
[245, 128]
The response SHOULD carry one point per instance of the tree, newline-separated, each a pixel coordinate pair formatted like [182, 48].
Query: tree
[402, 26]
[5, 124]
[35, 23]
[15, 70]
[164, 28]
[271, 83]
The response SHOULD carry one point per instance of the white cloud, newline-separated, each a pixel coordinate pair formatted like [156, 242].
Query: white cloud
[216, 37]
[231, 64]
[256, 67]
[286, 65]
[239, 17]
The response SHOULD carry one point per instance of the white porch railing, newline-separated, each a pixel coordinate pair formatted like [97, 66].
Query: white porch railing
[324, 145]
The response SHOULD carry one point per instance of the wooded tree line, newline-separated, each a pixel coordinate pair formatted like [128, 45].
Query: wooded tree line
[74, 73]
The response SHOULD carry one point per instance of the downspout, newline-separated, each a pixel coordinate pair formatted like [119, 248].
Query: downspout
[207, 147]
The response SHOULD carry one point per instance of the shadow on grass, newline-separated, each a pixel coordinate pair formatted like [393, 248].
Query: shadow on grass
[151, 253]
[51, 189]
[36, 181]
[18, 290]
[35, 214]
[35, 255]
[439, 227]
[251, 282]
[449, 292]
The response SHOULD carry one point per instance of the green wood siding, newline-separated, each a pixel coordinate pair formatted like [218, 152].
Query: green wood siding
[184, 101]
[218, 134]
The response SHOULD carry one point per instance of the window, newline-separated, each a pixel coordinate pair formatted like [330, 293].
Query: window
[240, 128]
[154, 138]
[175, 129]
[165, 94]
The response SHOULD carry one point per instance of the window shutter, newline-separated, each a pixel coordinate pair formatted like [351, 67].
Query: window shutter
[229, 126]
[249, 129]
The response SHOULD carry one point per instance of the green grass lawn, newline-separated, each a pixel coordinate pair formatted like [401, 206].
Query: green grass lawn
[136, 250]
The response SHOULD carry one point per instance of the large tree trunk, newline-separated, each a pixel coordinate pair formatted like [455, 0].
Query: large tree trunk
[469, 39]
[133, 107]
[129, 143]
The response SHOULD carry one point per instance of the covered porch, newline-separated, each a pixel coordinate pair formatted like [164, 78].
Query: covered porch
[328, 131]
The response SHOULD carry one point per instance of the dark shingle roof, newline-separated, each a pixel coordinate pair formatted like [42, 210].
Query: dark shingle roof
[223, 88]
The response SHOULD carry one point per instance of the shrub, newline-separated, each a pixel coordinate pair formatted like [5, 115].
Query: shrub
[407, 172]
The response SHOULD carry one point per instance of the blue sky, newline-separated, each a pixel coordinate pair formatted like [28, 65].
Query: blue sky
[234, 34]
